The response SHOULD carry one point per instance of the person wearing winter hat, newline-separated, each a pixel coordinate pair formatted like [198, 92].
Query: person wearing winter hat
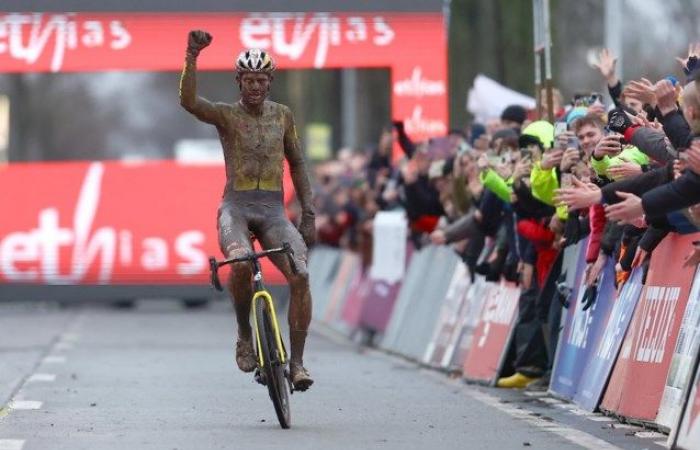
[513, 117]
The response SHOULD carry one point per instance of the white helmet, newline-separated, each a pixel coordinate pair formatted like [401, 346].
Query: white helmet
[255, 60]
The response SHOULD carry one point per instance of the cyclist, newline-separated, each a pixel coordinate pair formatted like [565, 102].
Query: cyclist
[256, 136]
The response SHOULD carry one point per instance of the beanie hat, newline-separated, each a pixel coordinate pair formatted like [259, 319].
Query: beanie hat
[575, 113]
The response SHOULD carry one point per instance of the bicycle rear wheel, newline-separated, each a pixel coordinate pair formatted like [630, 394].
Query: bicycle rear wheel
[273, 368]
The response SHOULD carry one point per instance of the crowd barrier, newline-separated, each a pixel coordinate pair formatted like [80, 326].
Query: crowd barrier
[632, 354]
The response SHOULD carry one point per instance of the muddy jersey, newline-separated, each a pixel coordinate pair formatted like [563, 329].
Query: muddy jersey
[254, 144]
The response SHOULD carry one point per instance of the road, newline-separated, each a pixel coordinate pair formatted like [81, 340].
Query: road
[162, 377]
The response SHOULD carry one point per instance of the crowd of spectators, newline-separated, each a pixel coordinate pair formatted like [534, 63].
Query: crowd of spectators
[510, 194]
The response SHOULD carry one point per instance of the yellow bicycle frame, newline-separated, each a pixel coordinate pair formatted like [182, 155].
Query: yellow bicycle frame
[276, 329]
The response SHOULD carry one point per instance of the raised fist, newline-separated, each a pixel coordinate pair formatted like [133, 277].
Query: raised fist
[197, 40]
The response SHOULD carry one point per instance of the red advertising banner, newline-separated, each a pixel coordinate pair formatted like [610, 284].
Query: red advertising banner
[492, 335]
[638, 379]
[111, 223]
[412, 45]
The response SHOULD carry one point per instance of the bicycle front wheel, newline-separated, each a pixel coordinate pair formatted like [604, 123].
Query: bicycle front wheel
[273, 368]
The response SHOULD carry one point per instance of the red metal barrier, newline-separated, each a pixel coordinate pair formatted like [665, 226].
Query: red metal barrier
[638, 379]
[492, 335]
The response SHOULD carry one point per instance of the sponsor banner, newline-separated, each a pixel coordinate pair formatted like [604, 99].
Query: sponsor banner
[77, 42]
[68, 42]
[468, 319]
[687, 435]
[112, 223]
[492, 335]
[681, 371]
[607, 345]
[581, 328]
[638, 379]
[449, 315]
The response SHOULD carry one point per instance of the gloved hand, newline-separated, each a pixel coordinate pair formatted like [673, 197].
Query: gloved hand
[563, 291]
[307, 227]
[691, 66]
[618, 121]
[590, 295]
[197, 40]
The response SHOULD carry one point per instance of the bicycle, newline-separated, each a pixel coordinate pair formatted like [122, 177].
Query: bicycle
[270, 351]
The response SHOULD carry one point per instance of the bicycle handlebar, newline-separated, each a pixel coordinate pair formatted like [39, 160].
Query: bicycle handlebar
[250, 257]
[286, 248]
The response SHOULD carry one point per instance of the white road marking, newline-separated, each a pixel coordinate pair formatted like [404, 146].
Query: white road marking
[650, 435]
[578, 437]
[566, 406]
[11, 444]
[627, 426]
[54, 359]
[601, 419]
[42, 377]
[551, 401]
[535, 393]
[25, 404]
[663, 443]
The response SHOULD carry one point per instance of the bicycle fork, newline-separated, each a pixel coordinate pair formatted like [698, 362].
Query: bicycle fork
[263, 295]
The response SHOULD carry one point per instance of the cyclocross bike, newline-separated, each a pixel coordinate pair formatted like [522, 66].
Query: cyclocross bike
[271, 354]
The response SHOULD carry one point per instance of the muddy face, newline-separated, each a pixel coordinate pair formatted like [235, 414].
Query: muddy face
[254, 87]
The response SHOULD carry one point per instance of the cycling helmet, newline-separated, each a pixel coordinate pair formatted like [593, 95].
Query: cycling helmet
[255, 60]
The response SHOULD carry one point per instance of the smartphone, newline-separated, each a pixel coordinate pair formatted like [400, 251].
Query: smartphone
[572, 142]
[559, 128]
[495, 160]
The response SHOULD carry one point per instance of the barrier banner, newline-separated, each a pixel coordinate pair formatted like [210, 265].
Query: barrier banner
[493, 333]
[582, 330]
[413, 286]
[323, 267]
[390, 256]
[681, 371]
[352, 309]
[378, 304]
[419, 323]
[349, 265]
[607, 346]
[419, 301]
[449, 316]
[638, 378]
[687, 435]
[468, 318]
